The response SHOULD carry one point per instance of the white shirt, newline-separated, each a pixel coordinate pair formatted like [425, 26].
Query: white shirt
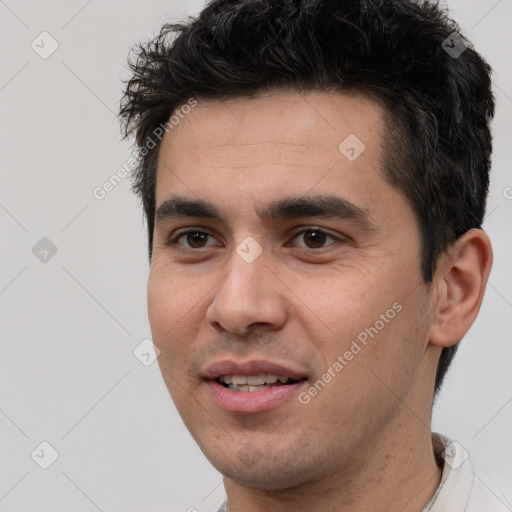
[460, 489]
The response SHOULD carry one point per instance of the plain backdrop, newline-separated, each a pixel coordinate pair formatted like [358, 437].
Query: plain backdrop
[73, 276]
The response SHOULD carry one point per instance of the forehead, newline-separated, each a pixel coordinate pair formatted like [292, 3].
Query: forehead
[276, 143]
[317, 120]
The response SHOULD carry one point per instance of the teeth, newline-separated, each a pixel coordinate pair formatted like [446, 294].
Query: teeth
[253, 380]
[233, 387]
[256, 380]
[257, 388]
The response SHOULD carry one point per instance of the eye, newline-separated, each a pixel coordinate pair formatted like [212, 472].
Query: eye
[314, 238]
[195, 239]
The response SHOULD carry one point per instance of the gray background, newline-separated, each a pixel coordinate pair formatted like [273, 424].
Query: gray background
[70, 324]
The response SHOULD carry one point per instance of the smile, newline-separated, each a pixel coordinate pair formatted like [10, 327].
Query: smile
[252, 386]
[253, 382]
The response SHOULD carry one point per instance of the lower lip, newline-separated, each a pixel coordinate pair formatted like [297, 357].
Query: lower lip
[252, 401]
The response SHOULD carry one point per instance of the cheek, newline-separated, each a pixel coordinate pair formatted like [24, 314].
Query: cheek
[176, 313]
[165, 309]
[343, 305]
[161, 307]
[166, 313]
[363, 392]
[394, 352]
[167, 294]
[370, 319]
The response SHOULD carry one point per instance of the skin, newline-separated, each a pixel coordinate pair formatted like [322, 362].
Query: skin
[363, 442]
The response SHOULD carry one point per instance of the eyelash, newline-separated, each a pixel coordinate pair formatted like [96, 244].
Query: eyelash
[174, 241]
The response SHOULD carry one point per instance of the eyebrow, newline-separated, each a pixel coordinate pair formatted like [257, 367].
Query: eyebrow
[323, 206]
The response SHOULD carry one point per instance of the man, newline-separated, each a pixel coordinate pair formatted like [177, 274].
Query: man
[314, 176]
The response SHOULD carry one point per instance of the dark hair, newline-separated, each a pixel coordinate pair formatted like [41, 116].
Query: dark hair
[397, 52]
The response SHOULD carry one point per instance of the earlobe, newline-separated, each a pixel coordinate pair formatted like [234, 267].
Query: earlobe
[460, 281]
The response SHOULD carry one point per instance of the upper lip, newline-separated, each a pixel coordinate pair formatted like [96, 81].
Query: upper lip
[252, 367]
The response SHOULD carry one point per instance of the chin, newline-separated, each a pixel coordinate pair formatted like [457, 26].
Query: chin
[263, 472]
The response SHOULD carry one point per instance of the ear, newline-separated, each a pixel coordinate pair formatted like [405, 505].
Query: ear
[460, 281]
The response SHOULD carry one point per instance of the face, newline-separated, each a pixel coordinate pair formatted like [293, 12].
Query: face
[282, 251]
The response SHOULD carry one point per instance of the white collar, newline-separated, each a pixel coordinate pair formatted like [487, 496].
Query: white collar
[461, 489]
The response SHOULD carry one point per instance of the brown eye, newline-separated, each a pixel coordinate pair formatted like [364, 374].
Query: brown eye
[313, 238]
[194, 239]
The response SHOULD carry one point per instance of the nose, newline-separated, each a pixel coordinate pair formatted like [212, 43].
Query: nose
[248, 294]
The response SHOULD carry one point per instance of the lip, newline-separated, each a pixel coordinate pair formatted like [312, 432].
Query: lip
[251, 401]
[253, 367]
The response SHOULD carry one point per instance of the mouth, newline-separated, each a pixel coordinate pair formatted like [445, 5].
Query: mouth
[252, 386]
[253, 383]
